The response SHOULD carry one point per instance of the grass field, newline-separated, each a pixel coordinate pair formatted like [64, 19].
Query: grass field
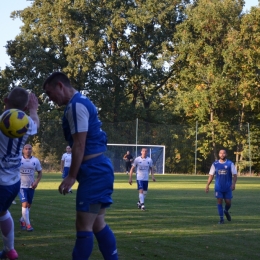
[180, 221]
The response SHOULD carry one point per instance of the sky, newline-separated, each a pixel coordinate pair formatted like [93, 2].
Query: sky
[10, 28]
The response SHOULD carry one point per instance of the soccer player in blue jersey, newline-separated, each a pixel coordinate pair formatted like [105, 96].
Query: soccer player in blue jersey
[10, 161]
[225, 183]
[93, 171]
[144, 165]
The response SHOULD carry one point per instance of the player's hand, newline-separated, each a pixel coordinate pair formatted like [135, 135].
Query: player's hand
[233, 187]
[32, 102]
[66, 185]
[34, 185]
[207, 189]
[153, 179]
[130, 181]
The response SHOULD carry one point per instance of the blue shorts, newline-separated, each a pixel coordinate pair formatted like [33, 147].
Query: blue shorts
[26, 195]
[8, 194]
[96, 179]
[142, 185]
[65, 172]
[223, 195]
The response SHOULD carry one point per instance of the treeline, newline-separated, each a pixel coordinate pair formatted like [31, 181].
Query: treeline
[165, 62]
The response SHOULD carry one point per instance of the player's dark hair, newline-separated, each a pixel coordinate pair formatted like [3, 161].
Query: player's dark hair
[56, 77]
[18, 98]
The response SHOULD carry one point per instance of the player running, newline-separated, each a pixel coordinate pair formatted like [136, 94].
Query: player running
[30, 165]
[144, 166]
[225, 183]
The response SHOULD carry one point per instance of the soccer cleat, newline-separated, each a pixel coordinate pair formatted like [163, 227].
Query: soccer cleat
[227, 215]
[138, 205]
[142, 206]
[221, 222]
[11, 255]
[29, 228]
[22, 225]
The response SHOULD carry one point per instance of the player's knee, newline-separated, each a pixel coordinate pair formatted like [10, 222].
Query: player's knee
[99, 223]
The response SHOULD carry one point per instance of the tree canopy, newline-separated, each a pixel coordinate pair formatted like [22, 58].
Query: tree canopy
[164, 62]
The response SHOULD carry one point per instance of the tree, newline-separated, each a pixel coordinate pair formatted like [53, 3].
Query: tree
[204, 91]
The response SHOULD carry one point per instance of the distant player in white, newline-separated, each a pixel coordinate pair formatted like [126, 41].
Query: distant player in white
[29, 165]
[144, 166]
[65, 163]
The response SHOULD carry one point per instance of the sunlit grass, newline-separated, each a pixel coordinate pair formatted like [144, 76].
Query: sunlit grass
[180, 221]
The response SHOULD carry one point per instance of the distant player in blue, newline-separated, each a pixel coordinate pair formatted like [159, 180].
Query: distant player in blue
[93, 171]
[225, 183]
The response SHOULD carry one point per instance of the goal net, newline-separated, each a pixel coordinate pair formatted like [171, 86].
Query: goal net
[116, 152]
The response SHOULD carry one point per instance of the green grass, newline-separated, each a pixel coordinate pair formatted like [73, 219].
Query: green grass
[180, 221]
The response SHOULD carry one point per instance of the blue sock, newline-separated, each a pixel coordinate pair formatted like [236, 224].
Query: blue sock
[83, 246]
[107, 243]
[220, 211]
[227, 207]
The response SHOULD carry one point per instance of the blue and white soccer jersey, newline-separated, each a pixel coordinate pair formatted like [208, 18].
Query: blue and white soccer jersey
[10, 161]
[223, 178]
[96, 176]
[80, 115]
[66, 157]
[28, 168]
[143, 166]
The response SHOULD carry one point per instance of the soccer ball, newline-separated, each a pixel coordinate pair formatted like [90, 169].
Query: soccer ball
[14, 123]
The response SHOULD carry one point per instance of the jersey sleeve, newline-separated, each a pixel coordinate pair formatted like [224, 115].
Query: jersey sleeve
[212, 170]
[233, 169]
[32, 130]
[38, 166]
[78, 118]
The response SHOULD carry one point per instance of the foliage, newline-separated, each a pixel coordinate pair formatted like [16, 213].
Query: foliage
[164, 62]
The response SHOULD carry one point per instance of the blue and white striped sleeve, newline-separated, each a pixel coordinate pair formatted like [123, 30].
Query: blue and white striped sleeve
[78, 118]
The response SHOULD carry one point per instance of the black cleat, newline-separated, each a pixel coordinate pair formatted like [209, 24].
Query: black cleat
[227, 215]
[221, 222]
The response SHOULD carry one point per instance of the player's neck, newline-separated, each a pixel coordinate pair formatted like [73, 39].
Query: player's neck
[27, 157]
[222, 160]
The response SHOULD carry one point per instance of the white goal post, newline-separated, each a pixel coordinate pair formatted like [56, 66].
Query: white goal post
[116, 152]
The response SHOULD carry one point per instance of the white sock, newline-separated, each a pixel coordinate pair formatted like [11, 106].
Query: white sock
[25, 214]
[7, 228]
[141, 198]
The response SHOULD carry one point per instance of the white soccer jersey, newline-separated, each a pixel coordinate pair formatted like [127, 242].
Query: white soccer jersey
[27, 170]
[66, 157]
[11, 154]
[143, 166]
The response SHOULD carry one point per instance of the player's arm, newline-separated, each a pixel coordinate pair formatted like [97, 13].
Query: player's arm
[131, 174]
[234, 176]
[32, 106]
[77, 151]
[151, 170]
[62, 165]
[36, 182]
[210, 178]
